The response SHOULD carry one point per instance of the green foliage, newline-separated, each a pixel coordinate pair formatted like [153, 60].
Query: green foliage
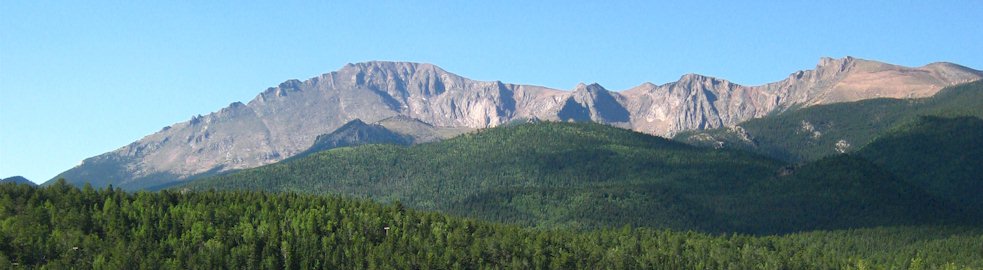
[61, 227]
[843, 191]
[546, 175]
[943, 155]
[812, 133]
[584, 176]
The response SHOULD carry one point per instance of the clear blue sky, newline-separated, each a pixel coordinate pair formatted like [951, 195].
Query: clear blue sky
[80, 78]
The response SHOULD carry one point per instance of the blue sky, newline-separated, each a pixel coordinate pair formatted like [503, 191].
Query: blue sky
[81, 78]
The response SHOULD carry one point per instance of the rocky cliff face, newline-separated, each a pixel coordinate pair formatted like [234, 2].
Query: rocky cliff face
[851, 79]
[700, 102]
[694, 102]
[285, 120]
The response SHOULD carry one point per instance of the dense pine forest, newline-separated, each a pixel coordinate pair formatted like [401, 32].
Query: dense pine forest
[588, 176]
[581, 175]
[949, 159]
[64, 227]
[548, 195]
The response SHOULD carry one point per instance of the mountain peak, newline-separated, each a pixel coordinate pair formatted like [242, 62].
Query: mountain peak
[850, 62]
[826, 60]
[395, 77]
[840, 63]
[284, 120]
[390, 66]
[591, 102]
[593, 87]
[17, 180]
[694, 77]
[356, 132]
[353, 123]
[952, 68]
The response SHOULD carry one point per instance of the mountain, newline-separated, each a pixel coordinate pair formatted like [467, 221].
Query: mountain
[580, 175]
[17, 180]
[354, 133]
[396, 130]
[842, 191]
[699, 102]
[944, 155]
[419, 131]
[285, 120]
[824, 130]
[542, 174]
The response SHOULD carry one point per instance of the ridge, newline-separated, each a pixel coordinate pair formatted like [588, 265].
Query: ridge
[285, 120]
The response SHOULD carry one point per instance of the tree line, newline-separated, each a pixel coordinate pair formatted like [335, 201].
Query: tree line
[61, 227]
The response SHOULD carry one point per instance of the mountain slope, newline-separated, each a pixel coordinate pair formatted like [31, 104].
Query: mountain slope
[285, 120]
[819, 131]
[944, 155]
[17, 180]
[545, 174]
[397, 130]
[589, 175]
[697, 102]
[419, 131]
[842, 191]
[355, 133]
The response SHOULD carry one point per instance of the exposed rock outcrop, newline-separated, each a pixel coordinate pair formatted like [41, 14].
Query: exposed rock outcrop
[285, 120]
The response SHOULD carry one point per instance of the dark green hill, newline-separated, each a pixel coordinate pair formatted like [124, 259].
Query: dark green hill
[825, 130]
[590, 175]
[17, 180]
[943, 155]
[546, 174]
[843, 191]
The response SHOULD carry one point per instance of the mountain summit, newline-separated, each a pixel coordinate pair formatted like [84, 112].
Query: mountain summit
[285, 120]
[17, 180]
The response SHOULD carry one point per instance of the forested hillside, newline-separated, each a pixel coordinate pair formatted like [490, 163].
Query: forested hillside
[564, 175]
[819, 131]
[944, 155]
[62, 227]
[544, 174]
[17, 180]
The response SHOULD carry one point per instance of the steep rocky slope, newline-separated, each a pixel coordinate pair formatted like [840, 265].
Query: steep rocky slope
[824, 130]
[285, 120]
[355, 133]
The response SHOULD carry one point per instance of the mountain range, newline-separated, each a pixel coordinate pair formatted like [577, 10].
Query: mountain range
[815, 132]
[430, 104]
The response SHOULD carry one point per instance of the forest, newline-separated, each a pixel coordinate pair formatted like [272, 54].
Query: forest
[64, 227]
[549, 195]
[588, 176]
